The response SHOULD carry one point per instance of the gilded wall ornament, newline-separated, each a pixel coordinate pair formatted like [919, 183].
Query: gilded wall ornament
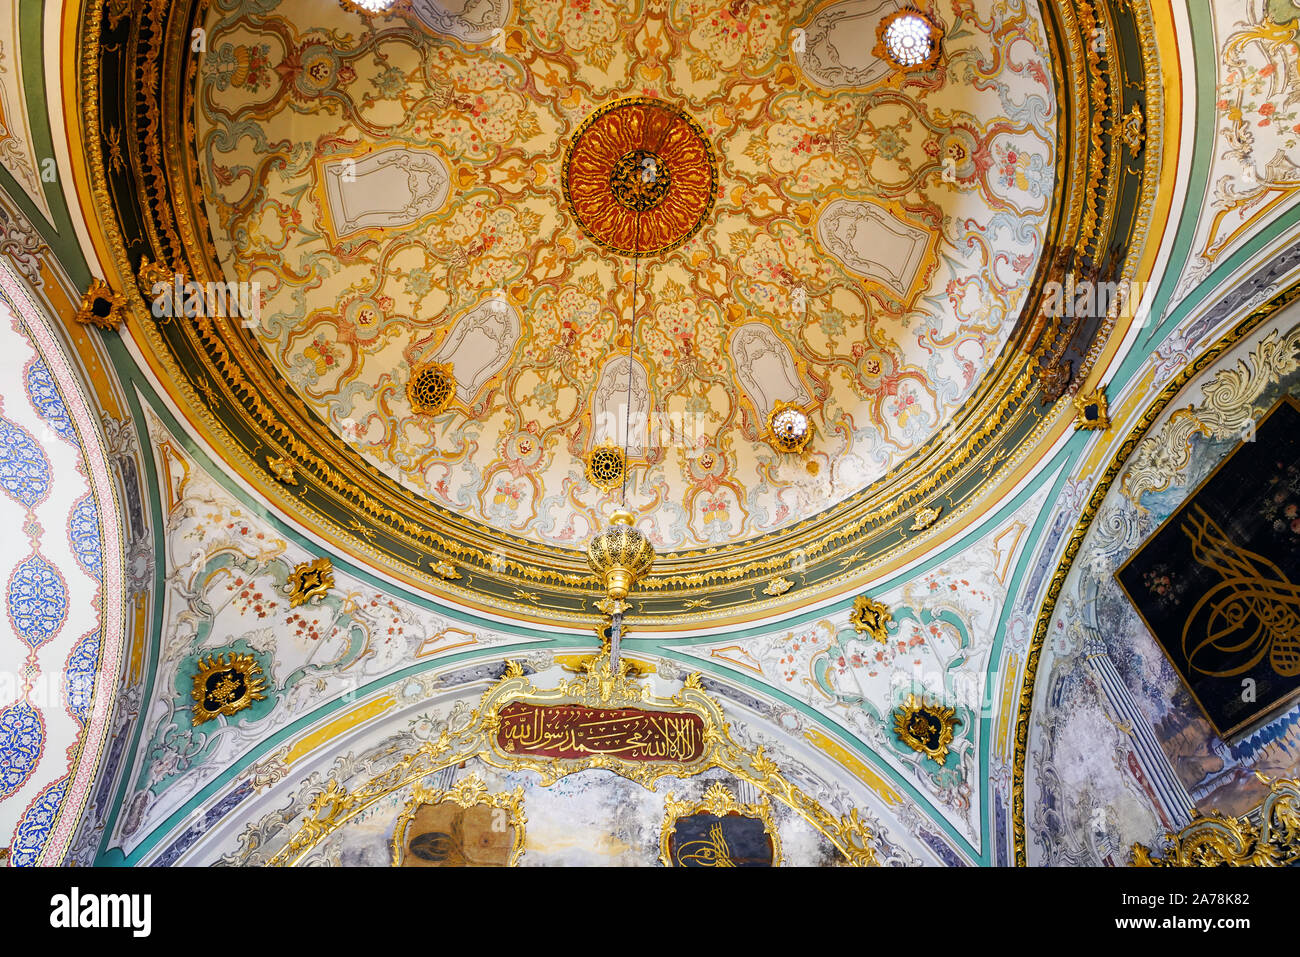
[789, 429]
[100, 306]
[1217, 841]
[310, 580]
[446, 571]
[431, 388]
[606, 466]
[925, 516]
[778, 586]
[596, 689]
[461, 826]
[713, 842]
[1091, 411]
[150, 275]
[871, 617]
[282, 469]
[226, 686]
[925, 728]
[1132, 131]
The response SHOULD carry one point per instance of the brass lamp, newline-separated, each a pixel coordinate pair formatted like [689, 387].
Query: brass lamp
[620, 555]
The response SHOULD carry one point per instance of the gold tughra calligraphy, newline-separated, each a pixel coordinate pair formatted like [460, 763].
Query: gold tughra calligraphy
[1253, 612]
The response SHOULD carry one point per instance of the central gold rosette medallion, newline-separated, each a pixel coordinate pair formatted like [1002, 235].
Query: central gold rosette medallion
[640, 176]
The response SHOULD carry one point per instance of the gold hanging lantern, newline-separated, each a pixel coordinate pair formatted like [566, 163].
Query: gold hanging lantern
[620, 555]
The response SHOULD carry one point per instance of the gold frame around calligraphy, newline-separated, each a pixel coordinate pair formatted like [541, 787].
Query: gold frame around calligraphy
[595, 686]
[468, 792]
[718, 801]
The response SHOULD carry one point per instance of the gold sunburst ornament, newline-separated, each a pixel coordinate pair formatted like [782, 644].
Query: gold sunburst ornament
[226, 687]
[310, 580]
[101, 306]
[1090, 410]
[926, 728]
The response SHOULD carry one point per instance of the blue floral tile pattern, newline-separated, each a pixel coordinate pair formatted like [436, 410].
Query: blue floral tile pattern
[79, 674]
[84, 537]
[45, 398]
[34, 828]
[38, 601]
[22, 739]
[24, 469]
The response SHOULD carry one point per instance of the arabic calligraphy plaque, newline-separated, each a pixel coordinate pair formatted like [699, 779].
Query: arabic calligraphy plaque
[1218, 584]
[570, 731]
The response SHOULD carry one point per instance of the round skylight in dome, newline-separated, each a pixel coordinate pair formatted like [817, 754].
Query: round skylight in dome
[909, 39]
[372, 6]
[790, 424]
[790, 428]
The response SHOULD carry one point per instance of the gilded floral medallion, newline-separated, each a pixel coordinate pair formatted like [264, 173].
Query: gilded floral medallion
[640, 176]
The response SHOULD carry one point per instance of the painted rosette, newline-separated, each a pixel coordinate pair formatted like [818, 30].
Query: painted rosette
[640, 176]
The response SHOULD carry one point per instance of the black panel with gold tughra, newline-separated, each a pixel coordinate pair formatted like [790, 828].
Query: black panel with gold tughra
[1218, 584]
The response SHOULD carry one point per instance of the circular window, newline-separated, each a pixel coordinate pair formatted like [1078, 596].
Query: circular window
[910, 40]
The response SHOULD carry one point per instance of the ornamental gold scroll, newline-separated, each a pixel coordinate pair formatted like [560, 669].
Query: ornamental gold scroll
[569, 731]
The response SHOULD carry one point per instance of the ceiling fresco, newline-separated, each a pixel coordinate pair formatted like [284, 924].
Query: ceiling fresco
[434, 216]
[856, 250]
[912, 635]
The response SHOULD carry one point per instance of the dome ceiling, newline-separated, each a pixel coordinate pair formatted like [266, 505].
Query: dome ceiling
[384, 184]
[430, 193]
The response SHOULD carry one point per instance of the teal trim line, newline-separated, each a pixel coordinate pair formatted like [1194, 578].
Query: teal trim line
[1201, 28]
[59, 234]
[320, 716]
[149, 480]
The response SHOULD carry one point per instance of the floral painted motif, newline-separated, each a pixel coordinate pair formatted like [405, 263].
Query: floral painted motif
[79, 675]
[84, 537]
[37, 598]
[22, 739]
[34, 828]
[24, 468]
[47, 402]
[1282, 509]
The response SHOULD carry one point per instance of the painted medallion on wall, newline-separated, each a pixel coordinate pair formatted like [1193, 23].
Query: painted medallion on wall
[1218, 584]
[640, 176]
[462, 826]
[719, 832]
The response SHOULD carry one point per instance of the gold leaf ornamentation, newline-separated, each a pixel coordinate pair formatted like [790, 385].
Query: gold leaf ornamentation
[226, 687]
[871, 617]
[926, 728]
[310, 580]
